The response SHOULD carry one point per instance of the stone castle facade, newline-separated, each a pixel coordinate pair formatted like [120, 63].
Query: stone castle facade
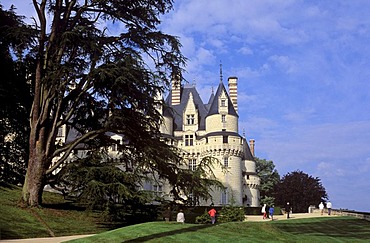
[211, 129]
[202, 130]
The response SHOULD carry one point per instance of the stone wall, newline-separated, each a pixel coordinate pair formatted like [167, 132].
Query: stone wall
[340, 212]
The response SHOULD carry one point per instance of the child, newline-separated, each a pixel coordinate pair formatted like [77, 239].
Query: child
[271, 211]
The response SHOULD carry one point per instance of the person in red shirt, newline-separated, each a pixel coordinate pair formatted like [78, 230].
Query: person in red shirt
[212, 213]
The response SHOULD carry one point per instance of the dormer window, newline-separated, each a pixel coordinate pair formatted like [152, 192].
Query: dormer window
[223, 118]
[190, 119]
[223, 103]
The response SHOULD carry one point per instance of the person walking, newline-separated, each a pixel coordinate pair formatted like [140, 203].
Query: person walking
[212, 214]
[263, 211]
[271, 212]
[288, 208]
[180, 217]
[167, 214]
[328, 205]
[321, 207]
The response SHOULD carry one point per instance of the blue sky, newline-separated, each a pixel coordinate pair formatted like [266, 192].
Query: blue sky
[304, 81]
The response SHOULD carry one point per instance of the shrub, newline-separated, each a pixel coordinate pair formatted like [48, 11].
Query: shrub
[231, 214]
[203, 219]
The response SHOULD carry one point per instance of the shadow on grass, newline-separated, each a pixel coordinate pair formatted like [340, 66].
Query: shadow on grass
[95, 214]
[64, 206]
[168, 233]
[343, 227]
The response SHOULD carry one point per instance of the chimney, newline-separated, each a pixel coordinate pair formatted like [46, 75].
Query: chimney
[233, 90]
[251, 144]
[176, 90]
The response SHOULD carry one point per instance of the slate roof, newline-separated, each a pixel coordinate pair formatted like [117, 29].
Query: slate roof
[176, 111]
[211, 108]
[214, 106]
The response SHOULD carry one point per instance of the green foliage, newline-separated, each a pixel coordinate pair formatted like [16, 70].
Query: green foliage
[231, 214]
[203, 219]
[15, 96]
[96, 82]
[228, 213]
[198, 182]
[101, 184]
[300, 190]
[269, 177]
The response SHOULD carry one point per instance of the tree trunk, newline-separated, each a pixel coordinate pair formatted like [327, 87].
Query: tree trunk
[34, 181]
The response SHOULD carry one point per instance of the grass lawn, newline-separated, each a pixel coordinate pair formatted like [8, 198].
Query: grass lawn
[56, 217]
[334, 229]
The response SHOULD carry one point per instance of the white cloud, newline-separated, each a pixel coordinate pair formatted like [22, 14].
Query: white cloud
[284, 63]
[245, 50]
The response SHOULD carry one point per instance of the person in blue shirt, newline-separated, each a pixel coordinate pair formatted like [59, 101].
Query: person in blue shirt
[271, 212]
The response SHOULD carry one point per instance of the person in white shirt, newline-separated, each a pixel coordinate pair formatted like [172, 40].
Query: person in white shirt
[180, 217]
[328, 205]
[321, 207]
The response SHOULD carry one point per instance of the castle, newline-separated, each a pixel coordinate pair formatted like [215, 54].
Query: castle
[211, 129]
[202, 130]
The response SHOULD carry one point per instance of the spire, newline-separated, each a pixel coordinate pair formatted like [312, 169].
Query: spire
[220, 72]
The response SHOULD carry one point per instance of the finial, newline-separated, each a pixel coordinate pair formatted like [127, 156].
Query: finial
[220, 71]
[243, 132]
[212, 90]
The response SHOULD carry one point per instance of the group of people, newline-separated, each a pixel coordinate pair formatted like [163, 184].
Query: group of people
[180, 218]
[328, 206]
[167, 215]
[268, 212]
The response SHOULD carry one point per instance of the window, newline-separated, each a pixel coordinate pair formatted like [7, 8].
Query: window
[223, 118]
[223, 103]
[192, 164]
[226, 161]
[190, 120]
[114, 147]
[225, 139]
[193, 200]
[157, 188]
[224, 197]
[60, 132]
[189, 140]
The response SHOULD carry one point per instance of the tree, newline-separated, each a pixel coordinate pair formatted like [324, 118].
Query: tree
[15, 96]
[269, 177]
[94, 81]
[100, 183]
[300, 190]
